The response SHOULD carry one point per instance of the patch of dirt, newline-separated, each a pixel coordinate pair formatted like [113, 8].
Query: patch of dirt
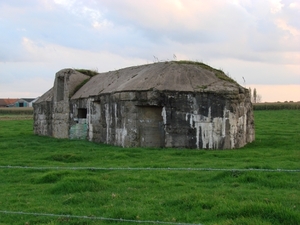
[28, 117]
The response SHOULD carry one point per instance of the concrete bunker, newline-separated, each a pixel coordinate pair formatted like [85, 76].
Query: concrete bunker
[169, 104]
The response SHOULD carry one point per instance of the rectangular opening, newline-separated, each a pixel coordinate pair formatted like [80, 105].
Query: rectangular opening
[151, 127]
[21, 104]
[60, 88]
[82, 112]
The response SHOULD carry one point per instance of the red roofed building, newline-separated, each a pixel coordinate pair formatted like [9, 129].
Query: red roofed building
[17, 102]
[8, 102]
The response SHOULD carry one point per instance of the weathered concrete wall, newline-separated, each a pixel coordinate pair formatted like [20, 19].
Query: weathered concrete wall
[43, 118]
[42, 114]
[208, 120]
[168, 119]
[106, 120]
[79, 130]
[52, 110]
[65, 84]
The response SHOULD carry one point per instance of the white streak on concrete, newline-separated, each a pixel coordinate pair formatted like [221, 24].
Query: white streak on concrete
[232, 129]
[108, 123]
[121, 134]
[89, 117]
[225, 118]
[116, 117]
[211, 131]
[164, 115]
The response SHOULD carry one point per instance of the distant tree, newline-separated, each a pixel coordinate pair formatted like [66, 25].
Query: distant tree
[254, 95]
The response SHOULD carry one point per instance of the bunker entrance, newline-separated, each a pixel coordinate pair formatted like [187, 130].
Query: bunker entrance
[151, 126]
[80, 129]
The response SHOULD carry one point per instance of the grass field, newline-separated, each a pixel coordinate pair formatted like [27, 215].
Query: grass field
[209, 197]
[16, 113]
[276, 105]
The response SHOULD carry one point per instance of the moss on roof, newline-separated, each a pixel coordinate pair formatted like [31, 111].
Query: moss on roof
[90, 73]
[219, 73]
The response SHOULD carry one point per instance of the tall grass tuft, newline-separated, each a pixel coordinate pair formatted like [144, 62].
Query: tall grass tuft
[79, 184]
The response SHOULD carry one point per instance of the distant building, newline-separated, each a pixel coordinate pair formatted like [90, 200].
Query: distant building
[17, 102]
[8, 102]
[25, 102]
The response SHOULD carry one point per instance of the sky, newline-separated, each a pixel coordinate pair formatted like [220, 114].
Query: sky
[255, 42]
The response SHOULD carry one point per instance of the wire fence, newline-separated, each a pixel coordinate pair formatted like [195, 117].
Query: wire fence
[96, 218]
[149, 168]
[128, 169]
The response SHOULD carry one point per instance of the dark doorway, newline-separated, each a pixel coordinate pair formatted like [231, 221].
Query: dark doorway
[82, 112]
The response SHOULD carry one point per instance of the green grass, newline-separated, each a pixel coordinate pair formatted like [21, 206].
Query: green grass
[276, 105]
[206, 197]
[16, 113]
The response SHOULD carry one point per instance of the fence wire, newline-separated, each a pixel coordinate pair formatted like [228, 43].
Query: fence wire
[96, 218]
[148, 168]
[128, 169]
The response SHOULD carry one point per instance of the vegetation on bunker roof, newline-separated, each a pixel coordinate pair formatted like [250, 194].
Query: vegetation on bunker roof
[219, 73]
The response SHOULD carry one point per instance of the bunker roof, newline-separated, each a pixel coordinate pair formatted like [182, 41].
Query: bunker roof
[46, 97]
[184, 76]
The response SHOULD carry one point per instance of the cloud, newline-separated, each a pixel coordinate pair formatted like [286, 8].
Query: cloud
[69, 57]
[85, 11]
[242, 28]
[43, 60]
[181, 21]
[255, 39]
[276, 6]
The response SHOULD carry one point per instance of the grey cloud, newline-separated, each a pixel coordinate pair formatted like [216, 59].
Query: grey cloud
[246, 32]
